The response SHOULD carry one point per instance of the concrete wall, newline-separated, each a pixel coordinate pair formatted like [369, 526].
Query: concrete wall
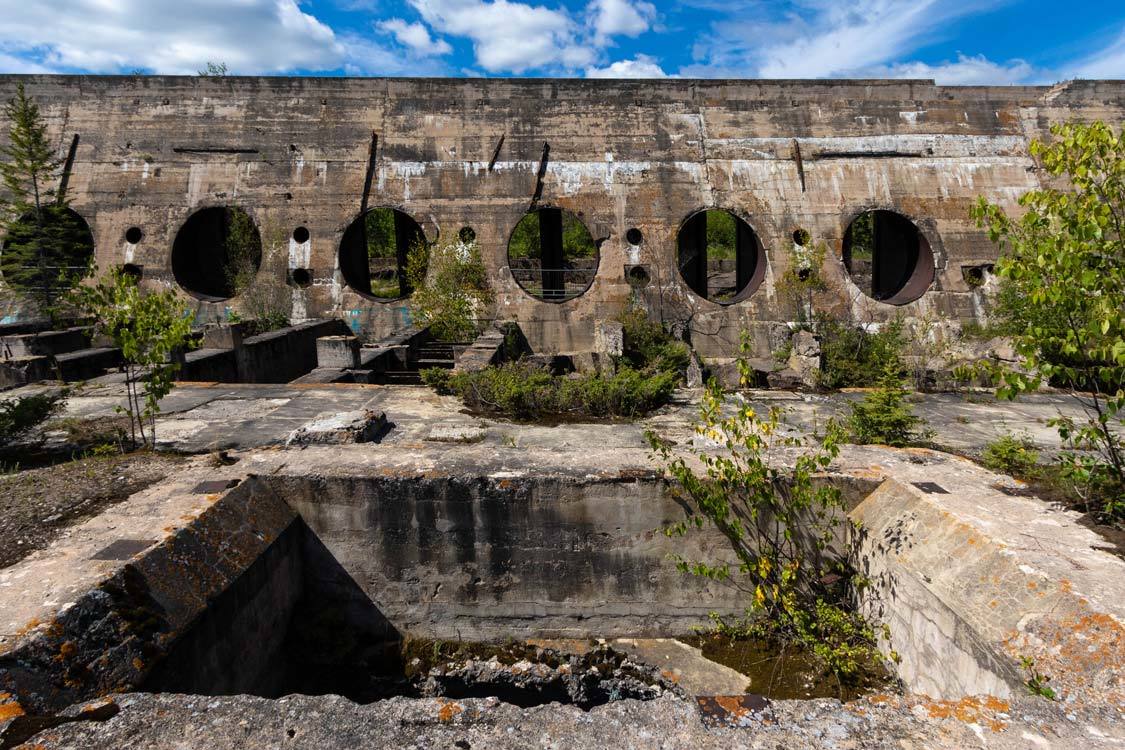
[480, 558]
[452, 153]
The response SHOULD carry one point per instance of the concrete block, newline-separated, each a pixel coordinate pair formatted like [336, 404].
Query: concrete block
[342, 428]
[609, 338]
[223, 336]
[337, 351]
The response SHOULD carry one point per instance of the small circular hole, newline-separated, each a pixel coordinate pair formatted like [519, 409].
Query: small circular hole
[301, 235]
[634, 236]
[302, 277]
[133, 271]
[133, 235]
[802, 237]
[638, 276]
[804, 274]
[468, 235]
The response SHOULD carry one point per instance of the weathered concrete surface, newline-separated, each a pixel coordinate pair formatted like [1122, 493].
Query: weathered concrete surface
[96, 610]
[340, 428]
[331, 722]
[972, 581]
[206, 416]
[782, 154]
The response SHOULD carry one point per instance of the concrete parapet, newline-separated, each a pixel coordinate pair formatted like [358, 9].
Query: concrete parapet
[337, 351]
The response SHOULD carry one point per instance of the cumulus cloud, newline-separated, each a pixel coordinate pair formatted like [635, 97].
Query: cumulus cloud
[167, 36]
[620, 17]
[416, 37]
[510, 36]
[641, 66]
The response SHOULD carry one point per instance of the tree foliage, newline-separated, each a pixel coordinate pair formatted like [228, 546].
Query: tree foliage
[450, 287]
[883, 417]
[782, 526]
[1062, 271]
[150, 329]
[47, 248]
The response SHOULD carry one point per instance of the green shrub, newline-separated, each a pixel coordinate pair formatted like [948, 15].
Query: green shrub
[450, 288]
[1012, 455]
[853, 357]
[19, 416]
[883, 417]
[525, 391]
[781, 525]
[649, 345]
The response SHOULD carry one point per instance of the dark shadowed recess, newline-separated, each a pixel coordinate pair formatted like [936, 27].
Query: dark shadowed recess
[720, 257]
[374, 251]
[887, 257]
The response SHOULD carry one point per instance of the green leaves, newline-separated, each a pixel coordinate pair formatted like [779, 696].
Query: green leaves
[150, 329]
[782, 522]
[1062, 296]
[451, 288]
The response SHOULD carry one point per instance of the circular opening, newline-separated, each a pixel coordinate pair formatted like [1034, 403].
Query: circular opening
[49, 254]
[133, 235]
[720, 256]
[133, 271]
[637, 276]
[552, 255]
[301, 235]
[301, 277]
[374, 251]
[467, 235]
[887, 257]
[802, 237]
[634, 236]
[217, 253]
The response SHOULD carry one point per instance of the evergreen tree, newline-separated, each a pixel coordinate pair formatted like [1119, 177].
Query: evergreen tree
[47, 248]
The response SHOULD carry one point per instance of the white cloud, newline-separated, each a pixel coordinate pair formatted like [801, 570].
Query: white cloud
[966, 71]
[168, 36]
[1106, 63]
[861, 38]
[509, 36]
[416, 37]
[620, 17]
[642, 66]
[362, 56]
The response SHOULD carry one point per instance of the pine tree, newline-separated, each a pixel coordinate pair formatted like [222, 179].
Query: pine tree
[46, 246]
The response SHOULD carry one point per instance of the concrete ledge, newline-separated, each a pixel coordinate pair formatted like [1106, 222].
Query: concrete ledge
[95, 612]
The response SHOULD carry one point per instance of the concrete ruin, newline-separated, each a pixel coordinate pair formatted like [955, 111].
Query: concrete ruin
[320, 500]
[635, 162]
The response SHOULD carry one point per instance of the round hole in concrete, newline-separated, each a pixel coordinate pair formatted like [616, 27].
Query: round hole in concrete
[634, 236]
[467, 235]
[301, 235]
[133, 235]
[720, 256]
[887, 257]
[801, 237]
[374, 250]
[637, 276]
[25, 271]
[133, 271]
[552, 255]
[216, 253]
[301, 277]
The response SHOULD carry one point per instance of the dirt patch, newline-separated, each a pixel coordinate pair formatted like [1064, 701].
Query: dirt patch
[37, 504]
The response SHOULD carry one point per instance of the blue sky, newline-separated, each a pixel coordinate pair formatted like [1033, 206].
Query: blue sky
[952, 41]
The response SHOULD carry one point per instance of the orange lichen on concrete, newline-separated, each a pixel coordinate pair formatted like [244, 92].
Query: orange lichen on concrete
[972, 710]
[448, 710]
[10, 708]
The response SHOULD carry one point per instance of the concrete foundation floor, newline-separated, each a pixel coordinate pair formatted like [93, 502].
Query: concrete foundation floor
[431, 431]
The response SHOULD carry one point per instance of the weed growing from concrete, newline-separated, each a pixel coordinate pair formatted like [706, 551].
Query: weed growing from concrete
[782, 526]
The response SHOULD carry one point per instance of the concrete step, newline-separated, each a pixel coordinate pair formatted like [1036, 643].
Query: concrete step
[445, 364]
[87, 363]
[402, 377]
